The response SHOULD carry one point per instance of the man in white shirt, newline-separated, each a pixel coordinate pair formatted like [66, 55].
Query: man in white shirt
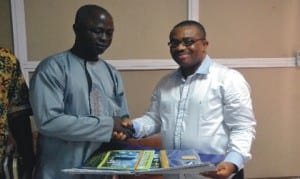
[202, 105]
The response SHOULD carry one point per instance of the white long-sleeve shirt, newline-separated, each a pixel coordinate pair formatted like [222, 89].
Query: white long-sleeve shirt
[210, 111]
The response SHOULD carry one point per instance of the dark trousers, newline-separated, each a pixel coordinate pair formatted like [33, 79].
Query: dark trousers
[239, 175]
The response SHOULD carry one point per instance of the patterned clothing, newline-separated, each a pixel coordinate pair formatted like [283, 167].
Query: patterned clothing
[13, 94]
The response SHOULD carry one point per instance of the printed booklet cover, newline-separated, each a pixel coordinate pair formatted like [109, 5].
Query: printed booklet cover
[143, 162]
[122, 160]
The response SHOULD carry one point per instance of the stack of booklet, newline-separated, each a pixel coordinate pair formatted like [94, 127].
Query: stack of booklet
[143, 162]
[122, 160]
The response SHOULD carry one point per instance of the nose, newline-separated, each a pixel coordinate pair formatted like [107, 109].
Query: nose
[180, 46]
[102, 36]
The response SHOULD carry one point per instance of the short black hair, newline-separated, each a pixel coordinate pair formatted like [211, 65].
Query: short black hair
[191, 23]
[85, 11]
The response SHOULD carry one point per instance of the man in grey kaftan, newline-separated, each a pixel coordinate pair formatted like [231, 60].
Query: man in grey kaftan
[76, 96]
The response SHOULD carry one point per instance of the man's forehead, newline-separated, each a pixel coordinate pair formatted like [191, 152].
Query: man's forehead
[185, 31]
[102, 16]
[100, 19]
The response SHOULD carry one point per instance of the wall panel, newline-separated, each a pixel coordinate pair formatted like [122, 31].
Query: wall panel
[6, 29]
[141, 26]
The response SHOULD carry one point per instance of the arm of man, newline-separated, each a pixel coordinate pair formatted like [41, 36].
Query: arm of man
[54, 118]
[240, 120]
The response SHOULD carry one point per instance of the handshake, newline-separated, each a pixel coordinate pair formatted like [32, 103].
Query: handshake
[123, 129]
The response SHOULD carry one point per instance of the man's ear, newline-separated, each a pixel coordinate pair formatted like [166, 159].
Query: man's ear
[76, 28]
[205, 43]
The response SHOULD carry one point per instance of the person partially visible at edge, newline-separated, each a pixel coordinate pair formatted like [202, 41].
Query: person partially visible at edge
[15, 110]
[202, 105]
[77, 98]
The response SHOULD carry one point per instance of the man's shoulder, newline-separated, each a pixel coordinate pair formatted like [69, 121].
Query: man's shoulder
[57, 58]
[109, 65]
[220, 68]
[223, 72]
[112, 69]
[7, 55]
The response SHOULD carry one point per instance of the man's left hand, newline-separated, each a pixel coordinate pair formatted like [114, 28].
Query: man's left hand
[223, 171]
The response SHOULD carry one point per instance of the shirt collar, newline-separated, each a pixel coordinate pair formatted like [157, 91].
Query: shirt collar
[204, 67]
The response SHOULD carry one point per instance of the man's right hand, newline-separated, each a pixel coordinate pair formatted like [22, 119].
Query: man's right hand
[127, 123]
[122, 129]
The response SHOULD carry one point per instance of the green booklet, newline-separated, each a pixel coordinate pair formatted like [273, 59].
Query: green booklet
[123, 160]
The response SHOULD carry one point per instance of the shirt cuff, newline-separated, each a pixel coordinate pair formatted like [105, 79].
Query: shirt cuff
[235, 158]
[137, 129]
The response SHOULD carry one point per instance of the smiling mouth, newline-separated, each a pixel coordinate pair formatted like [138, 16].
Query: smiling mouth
[182, 55]
[101, 44]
